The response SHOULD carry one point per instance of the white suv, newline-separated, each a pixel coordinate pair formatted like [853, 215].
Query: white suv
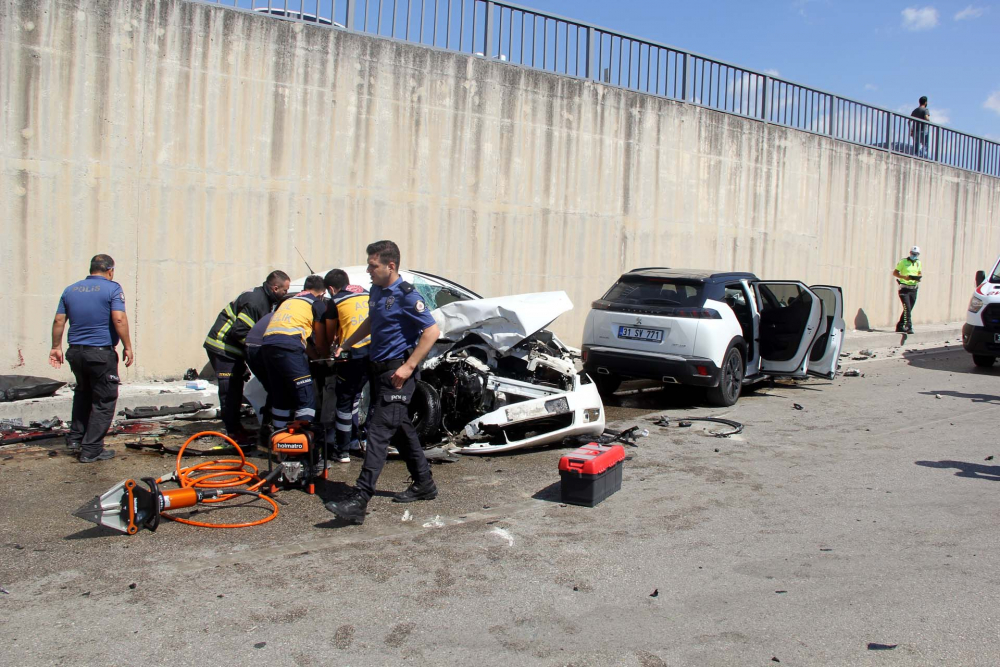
[711, 329]
[981, 333]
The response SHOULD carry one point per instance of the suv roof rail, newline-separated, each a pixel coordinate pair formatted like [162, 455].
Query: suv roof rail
[647, 268]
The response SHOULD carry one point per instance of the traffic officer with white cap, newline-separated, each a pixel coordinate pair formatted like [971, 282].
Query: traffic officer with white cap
[402, 333]
[908, 273]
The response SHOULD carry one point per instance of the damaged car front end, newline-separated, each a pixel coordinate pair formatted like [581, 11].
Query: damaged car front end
[497, 380]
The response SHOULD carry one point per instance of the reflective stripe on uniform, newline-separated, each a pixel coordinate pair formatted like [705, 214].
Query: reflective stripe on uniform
[246, 320]
[223, 347]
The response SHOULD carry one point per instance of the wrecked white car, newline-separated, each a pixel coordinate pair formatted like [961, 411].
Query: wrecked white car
[496, 380]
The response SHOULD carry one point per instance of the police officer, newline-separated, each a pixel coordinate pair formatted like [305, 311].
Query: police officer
[226, 345]
[908, 273]
[284, 355]
[95, 309]
[402, 333]
[347, 310]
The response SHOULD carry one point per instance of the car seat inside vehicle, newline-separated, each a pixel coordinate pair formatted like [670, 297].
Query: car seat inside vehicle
[784, 315]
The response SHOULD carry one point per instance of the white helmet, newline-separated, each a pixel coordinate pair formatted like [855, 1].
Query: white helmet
[915, 250]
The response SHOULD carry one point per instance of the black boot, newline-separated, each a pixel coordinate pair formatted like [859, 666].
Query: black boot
[426, 491]
[353, 509]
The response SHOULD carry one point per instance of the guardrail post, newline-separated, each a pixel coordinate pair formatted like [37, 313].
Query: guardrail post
[591, 55]
[765, 116]
[979, 159]
[888, 132]
[835, 117]
[350, 13]
[937, 144]
[684, 79]
[488, 40]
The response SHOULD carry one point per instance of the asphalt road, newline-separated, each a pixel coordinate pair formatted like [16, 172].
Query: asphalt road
[821, 536]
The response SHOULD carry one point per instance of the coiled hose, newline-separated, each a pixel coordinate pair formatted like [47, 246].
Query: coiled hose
[227, 474]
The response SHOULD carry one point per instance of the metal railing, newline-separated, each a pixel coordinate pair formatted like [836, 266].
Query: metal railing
[521, 36]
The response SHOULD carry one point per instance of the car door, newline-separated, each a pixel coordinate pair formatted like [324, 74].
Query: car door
[825, 351]
[790, 315]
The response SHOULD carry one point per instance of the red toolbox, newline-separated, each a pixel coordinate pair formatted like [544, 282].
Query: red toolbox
[591, 474]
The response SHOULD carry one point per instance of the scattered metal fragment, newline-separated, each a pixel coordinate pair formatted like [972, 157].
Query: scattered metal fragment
[686, 422]
[655, 593]
[132, 586]
[989, 458]
[796, 406]
[872, 646]
[853, 373]
[4, 591]
[780, 592]
[260, 645]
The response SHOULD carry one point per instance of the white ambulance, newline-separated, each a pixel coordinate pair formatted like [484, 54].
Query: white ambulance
[981, 333]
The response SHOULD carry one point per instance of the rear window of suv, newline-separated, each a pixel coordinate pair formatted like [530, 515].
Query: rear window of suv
[657, 292]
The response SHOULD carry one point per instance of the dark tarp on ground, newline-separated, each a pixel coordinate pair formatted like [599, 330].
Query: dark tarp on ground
[20, 387]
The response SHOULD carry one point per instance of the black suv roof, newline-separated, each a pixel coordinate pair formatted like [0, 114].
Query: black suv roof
[691, 274]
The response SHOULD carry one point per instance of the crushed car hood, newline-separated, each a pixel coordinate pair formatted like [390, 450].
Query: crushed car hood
[501, 322]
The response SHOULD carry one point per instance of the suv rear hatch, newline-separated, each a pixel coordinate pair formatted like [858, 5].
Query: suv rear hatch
[651, 314]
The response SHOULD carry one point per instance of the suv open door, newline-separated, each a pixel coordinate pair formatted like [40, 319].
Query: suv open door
[825, 352]
[790, 319]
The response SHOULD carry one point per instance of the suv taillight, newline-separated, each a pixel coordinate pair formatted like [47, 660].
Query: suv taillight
[697, 313]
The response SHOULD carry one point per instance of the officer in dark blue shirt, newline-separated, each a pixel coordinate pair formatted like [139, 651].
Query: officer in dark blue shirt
[402, 333]
[95, 309]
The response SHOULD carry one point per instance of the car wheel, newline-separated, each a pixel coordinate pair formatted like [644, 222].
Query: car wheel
[983, 360]
[730, 380]
[607, 385]
[425, 411]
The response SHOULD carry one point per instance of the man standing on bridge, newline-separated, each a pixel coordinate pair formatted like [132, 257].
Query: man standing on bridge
[919, 131]
[402, 333]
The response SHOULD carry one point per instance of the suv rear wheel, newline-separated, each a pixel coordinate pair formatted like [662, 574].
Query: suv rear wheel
[730, 380]
[607, 385]
[983, 360]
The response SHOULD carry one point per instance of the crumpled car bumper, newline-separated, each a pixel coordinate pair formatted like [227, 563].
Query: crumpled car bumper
[544, 420]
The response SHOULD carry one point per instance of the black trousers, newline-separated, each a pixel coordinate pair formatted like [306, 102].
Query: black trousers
[909, 299]
[95, 396]
[390, 424]
[351, 376]
[292, 395]
[229, 373]
[255, 362]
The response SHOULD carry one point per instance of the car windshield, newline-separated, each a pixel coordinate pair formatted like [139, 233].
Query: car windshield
[996, 275]
[436, 295]
[643, 291]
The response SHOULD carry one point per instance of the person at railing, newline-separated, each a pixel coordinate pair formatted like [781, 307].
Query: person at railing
[919, 130]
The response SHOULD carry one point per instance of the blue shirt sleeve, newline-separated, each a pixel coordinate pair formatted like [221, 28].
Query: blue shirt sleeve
[416, 311]
[117, 298]
[61, 309]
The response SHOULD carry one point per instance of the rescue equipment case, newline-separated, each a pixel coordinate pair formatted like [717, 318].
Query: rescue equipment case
[591, 473]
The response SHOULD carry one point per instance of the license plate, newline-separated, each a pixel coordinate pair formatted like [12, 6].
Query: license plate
[996, 338]
[635, 333]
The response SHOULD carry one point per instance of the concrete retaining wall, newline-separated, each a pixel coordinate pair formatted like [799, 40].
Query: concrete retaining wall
[200, 145]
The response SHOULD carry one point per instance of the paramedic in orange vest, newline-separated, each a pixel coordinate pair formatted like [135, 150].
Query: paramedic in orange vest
[284, 354]
[346, 311]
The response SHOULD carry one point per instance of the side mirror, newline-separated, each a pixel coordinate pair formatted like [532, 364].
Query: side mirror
[980, 278]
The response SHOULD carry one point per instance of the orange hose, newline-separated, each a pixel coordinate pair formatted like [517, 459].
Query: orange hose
[219, 474]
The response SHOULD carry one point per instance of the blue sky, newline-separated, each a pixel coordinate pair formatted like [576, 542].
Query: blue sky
[883, 52]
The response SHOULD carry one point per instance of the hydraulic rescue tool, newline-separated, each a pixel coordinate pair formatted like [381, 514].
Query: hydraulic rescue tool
[127, 506]
[298, 458]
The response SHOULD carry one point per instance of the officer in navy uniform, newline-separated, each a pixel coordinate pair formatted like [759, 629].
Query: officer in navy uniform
[95, 309]
[402, 333]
